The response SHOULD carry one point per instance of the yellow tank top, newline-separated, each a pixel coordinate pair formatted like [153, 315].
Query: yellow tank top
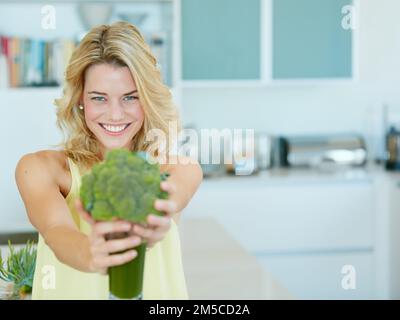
[163, 270]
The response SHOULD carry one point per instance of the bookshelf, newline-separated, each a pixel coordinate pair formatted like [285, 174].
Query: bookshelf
[35, 55]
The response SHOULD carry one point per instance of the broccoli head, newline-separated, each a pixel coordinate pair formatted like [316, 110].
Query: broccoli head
[123, 186]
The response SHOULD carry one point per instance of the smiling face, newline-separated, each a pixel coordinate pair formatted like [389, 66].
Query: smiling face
[111, 104]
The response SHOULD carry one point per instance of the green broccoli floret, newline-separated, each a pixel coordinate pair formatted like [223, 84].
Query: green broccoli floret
[125, 186]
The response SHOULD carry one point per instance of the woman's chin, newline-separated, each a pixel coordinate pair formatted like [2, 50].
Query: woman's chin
[110, 145]
[115, 146]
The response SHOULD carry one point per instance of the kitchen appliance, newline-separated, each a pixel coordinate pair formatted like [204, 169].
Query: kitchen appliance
[320, 150]
[264, 144]
[241, 153]
[393, 149]
[391, 115]
[256, 156]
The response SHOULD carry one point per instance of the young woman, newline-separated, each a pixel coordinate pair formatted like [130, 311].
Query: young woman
[113, 96]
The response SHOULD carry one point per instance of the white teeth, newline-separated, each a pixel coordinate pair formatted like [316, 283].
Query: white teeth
[114, 128]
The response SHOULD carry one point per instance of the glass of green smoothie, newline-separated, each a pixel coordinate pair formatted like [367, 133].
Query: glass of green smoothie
[126, 280]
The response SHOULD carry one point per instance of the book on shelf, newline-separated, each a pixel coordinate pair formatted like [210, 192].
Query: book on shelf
[26, 62]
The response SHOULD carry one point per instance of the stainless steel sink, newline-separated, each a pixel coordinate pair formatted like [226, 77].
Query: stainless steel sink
[18, 238]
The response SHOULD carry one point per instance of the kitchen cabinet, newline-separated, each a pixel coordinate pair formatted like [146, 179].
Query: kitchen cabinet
[220, 39]
[309, 41]
[307, 217]
[303, 229]
[394, 236]
[320, 276]
[267, 40]
[387, 242]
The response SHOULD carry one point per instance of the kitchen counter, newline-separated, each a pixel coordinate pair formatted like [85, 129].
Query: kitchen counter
[14, 227]
[218, 267]
[293, 176]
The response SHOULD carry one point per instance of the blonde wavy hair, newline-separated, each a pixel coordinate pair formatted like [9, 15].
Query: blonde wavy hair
[119, 44]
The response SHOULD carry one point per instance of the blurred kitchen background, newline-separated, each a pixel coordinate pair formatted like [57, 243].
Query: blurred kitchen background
[317, 80]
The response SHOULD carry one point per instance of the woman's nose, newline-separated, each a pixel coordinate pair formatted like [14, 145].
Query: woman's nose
[116, 111]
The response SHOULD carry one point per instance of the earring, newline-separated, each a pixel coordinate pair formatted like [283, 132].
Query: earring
[80, 107]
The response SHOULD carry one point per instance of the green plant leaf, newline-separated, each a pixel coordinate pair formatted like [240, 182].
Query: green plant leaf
[19, 267]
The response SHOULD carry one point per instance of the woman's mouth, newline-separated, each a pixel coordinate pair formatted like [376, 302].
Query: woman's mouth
[114, 130]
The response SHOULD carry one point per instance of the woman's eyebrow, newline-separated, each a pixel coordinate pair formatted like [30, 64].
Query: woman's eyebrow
[104, 94]
[134, 91]
[97, 92]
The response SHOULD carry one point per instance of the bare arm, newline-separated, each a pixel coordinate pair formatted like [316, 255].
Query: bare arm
[181, 185]
[185, 178]
[50, 215]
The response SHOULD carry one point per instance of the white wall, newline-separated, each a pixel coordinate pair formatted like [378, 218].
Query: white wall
[24, 128]
[321, 108]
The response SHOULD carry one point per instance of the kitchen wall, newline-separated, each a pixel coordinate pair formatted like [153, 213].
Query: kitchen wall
[317, 108]
[23, 131]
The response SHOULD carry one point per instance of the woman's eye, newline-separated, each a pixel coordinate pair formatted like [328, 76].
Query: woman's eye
[98, 99]
[130, 98]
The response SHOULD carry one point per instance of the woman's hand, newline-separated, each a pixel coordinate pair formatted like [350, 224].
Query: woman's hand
[157, 226]
[100, 248]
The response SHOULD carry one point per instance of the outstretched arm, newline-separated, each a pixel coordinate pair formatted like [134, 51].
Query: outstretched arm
[181, 185]
[50, 215]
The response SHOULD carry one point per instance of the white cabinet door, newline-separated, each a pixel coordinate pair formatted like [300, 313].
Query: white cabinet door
[321, 277]
[387, 240]
[394, 238]
[290, 217]
[387, 235]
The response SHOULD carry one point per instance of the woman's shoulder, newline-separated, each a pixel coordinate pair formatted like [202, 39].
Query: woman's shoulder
[52, 164]
[52, 159]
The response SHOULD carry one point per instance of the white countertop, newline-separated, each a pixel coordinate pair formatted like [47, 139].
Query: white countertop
[16, 226]
[280, 176]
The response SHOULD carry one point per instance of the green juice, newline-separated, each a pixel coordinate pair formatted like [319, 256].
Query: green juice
[126, 281]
